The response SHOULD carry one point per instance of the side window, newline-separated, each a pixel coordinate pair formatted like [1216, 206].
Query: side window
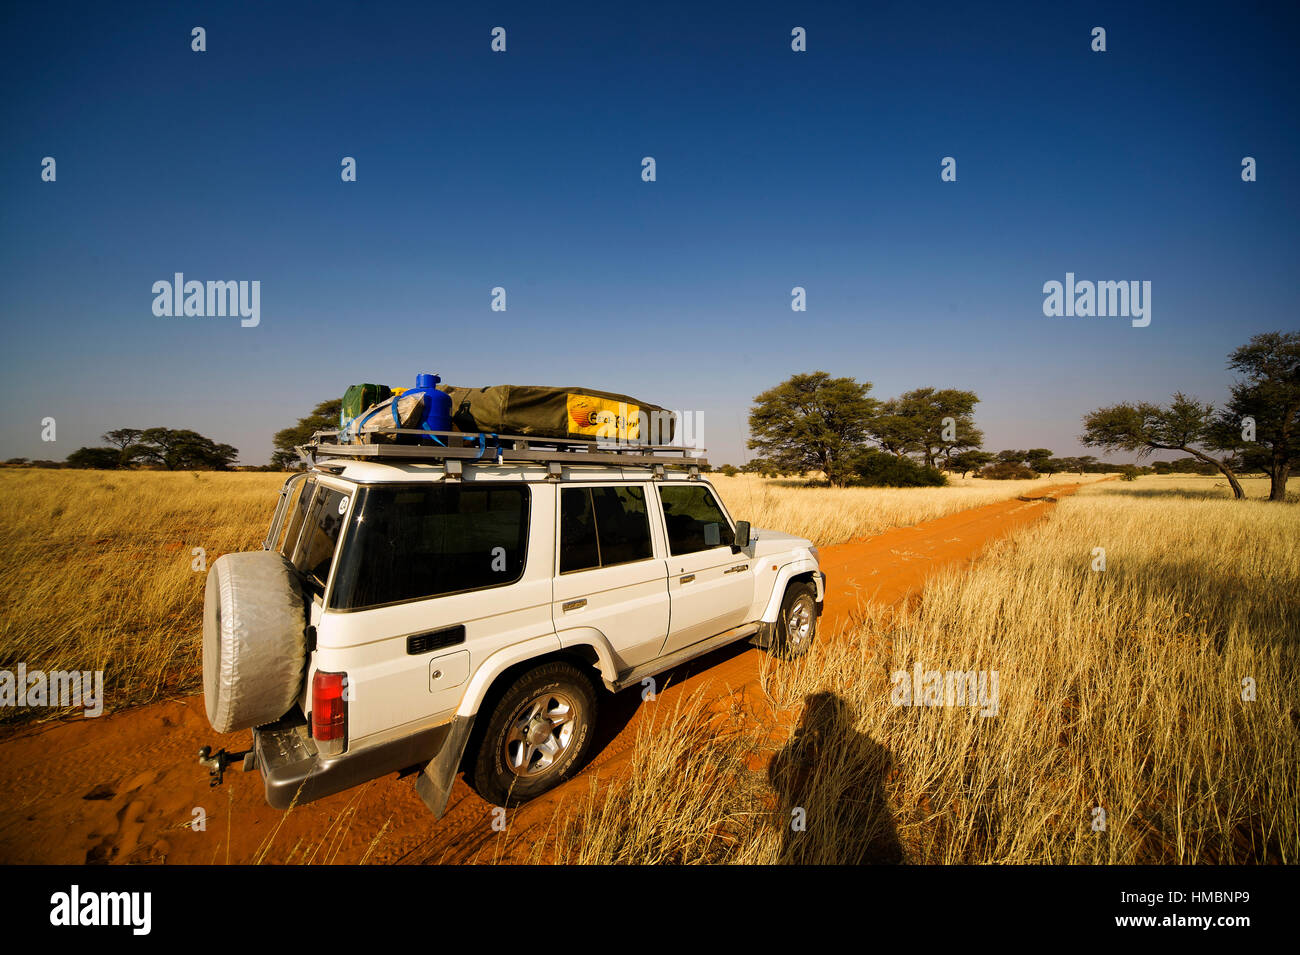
[694, 520]
[413, 542]
[297, 511]
[602, 526]
[578, 547]
[321, 531]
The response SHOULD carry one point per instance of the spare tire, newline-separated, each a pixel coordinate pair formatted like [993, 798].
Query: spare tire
[254, 640]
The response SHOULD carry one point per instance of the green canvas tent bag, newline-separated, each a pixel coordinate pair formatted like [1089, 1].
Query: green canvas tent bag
[536, 410]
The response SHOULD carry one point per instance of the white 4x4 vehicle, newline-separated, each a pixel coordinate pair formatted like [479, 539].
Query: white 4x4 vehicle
[421, 607]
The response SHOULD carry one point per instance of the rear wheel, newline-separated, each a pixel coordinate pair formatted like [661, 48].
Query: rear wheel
[537, 734]
[797, 624]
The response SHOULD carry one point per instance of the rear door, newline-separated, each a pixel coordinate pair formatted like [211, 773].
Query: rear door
[710, 587]
[607, 574]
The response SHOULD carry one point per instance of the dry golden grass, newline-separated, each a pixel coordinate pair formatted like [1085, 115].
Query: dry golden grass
[1119, 690]
[1203, 488]
[835, 515]
[96, 571]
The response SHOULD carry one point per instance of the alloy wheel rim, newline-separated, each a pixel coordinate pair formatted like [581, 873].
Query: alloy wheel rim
[540, 733]
[800, 621]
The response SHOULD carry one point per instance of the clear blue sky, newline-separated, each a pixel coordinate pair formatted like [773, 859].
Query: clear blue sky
[522, 170]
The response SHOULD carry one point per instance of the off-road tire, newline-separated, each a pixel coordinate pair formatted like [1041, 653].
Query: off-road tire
[533, 700]
[796, 625]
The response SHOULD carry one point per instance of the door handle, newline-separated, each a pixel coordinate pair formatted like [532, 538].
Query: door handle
[575, 604]
[688, 578]
[737, 569]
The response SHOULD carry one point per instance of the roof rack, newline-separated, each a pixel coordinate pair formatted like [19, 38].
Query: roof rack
[409, 444]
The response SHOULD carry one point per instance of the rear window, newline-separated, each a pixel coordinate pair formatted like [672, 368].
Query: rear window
[297, 510]
[412, 542]
[320, 534]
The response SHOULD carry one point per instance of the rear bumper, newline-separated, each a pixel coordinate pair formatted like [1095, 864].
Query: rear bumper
[294, 773]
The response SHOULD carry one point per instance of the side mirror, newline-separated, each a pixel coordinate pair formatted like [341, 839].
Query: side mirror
[742, 533]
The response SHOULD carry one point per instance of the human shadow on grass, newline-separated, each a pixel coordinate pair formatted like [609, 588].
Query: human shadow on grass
[830, 780]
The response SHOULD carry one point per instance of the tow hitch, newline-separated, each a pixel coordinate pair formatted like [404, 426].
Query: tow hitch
[217, 762]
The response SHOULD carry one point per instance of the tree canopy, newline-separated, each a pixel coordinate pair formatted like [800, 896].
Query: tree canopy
[929, 422]
[1261, 421]
[173, 449]
[1182, 425]
[812, 422]
[324, 417]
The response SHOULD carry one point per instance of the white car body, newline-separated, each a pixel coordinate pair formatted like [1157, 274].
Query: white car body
[628, 621]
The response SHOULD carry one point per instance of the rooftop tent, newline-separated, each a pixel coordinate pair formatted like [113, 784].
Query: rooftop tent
[536, 410]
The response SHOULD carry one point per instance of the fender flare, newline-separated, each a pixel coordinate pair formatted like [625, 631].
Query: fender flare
[498, 663]
[800, 565]
[598, 642]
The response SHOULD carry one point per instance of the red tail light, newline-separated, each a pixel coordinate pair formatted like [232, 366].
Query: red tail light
[329, 711]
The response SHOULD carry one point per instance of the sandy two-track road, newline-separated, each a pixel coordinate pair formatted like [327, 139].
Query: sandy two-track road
[123, 788]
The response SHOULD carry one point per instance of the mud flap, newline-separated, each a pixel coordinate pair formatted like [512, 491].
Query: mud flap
[765, 637]
[435, 780]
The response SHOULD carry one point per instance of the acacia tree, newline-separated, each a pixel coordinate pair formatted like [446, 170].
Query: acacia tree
[1267, 403]
[929, 422]
[812, 422]
[100, 459]
[124, 440]
[1146, 427]
[182, 449]
[894, 431]
[1036, 459]
[324, 417]
[968, 461]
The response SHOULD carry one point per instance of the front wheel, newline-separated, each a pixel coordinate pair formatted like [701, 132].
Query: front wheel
[797, 624]
[537, 734]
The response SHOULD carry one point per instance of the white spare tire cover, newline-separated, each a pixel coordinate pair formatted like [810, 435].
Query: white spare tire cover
[254, 640]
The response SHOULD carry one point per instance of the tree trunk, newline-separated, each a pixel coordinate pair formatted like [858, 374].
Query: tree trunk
[1278, 476]
[1237, 492]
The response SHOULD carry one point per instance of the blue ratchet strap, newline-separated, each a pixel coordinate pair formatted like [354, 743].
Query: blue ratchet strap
[431, 434]
[360, 421]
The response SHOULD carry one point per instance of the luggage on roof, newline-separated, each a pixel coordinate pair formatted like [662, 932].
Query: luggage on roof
[536, 410]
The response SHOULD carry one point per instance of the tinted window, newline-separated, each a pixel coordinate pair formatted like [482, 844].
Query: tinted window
[409, 542]
[297, 511]
[320, 534]
[694, 520]
[578, 547]
[602, 526]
